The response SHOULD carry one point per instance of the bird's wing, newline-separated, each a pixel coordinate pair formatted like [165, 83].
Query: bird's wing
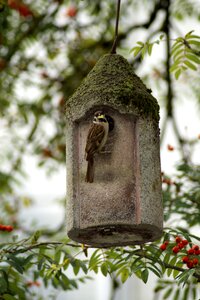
[95, 136]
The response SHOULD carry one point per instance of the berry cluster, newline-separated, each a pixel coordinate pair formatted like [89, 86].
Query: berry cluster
[71, 11]
[6, 227]
[33, 283]
[20, 7]
[190, 259]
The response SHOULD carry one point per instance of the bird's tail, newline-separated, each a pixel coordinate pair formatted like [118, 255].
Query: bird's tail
[90, 170]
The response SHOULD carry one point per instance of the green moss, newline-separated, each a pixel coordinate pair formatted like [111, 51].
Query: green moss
[113, 82]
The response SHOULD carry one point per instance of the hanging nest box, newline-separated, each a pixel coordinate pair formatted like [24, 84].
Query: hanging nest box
[123, 205]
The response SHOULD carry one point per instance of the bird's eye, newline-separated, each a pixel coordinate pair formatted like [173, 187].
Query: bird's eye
[102, 119]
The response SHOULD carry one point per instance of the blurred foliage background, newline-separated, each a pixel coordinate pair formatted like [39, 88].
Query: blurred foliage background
[46, 49]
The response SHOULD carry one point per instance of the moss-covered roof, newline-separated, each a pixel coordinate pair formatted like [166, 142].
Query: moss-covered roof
[112, 82]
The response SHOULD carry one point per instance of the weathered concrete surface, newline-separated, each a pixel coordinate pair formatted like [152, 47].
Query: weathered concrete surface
[123, 205]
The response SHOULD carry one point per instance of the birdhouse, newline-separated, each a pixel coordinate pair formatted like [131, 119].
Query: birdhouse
[119, 201]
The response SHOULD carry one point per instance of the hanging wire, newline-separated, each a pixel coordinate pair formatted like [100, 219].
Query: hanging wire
[114, 46]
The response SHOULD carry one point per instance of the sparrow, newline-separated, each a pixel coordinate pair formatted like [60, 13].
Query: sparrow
[96, 139]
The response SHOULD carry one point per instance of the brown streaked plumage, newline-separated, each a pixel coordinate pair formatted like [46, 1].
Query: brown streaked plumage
[96, 139]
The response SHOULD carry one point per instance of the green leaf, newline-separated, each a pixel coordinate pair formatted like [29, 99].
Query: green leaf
[145, 275]
[40, 263]
[177, 74]
[28, 259]
[177, 55]
[3, 284]
[140, 43]
[194, 58]
[174, 67]
[16, 290]
[173, 261]
[55, 282]
[194, 293]
[182, 278]
[158, 274]
[8, 297]
[167, 293]
[144, 49]
[169, 271]
[149, 48]
[176, 295]
[167, 258]
[189, 33]
[95, 259]
[175, 47]
[35, 237]
[124, 274]
[65, 280]
[175, 273]
[57, 255]
[74, 284]
[161, 36]
[16, 263]
[95, 269]
[83, 267]
[76, 267]
[190, 65]
[136, 50]
[104, 269]
[180, 39]
[158, 288]
[186, 292]
[135, 262]
[193, 36]
[193, 42]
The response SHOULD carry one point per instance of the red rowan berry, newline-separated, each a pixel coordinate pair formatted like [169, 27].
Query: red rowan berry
[175, 249]
[178, 239]
[163, 247]
[6, 227]
[3, 227]
[71, 11]
[170, 148]
[195, 261]
[20, 7]
[185, 242]
[13, 4]
[180, 245]
[32, 283]
[190, 264]
[9, 228]
[190, 251]
[37, 283]
[24, 11]
[185, 259]
[166, 242]
[195, 247]
[197, 252]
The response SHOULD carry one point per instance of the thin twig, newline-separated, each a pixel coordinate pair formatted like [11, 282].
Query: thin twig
[21, 249]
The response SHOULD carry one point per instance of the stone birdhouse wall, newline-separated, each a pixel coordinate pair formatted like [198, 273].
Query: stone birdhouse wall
[123, 206]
